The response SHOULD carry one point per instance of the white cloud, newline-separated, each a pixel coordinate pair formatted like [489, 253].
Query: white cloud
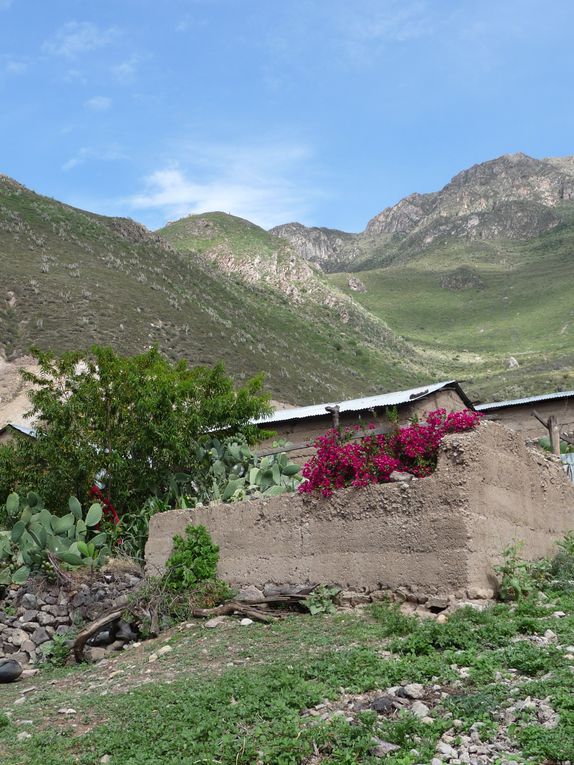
[390, 21]
[110, 153]
[98, 103]
[125, 71]
[11, 65]
[78, 37]
[256, 183]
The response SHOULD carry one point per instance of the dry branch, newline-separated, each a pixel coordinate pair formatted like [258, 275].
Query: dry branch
[92, 629]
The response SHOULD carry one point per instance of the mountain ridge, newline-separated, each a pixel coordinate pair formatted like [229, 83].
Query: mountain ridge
[513, 196]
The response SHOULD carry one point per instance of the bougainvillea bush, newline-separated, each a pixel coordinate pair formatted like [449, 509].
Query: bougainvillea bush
[343, 460]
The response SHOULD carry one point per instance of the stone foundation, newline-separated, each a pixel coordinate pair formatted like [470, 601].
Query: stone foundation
[32, 614]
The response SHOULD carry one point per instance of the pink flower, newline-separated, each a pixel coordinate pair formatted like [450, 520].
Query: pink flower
[342, 461]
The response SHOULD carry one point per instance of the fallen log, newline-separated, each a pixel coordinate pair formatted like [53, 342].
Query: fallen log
[249, 608]
[92, 629]
[242, 609]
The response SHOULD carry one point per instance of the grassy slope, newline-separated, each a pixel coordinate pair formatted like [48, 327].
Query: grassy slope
[79, 278]
[524, 309]
[241, 695]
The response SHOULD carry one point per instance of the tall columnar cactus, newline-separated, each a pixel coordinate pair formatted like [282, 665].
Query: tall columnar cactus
[37, 535]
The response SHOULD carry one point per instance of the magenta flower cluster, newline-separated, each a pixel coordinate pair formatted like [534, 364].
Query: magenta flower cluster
[343, 460]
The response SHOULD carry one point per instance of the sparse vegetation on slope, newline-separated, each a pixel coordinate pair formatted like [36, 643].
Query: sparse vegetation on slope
[72, 279]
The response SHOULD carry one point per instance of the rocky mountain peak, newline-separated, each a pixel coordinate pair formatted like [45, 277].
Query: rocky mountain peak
[513, 196]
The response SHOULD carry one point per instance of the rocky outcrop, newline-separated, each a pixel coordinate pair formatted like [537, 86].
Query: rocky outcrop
[512, 197]
[327, 248]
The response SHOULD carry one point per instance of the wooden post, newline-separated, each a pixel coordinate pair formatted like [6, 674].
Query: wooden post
[553, 428]
[334, 410]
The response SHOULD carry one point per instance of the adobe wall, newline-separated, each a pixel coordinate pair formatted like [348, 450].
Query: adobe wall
[436, 535]
[520, 419]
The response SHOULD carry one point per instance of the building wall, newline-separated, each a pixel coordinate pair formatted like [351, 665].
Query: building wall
[520, 419]
[434, 535]
[305, 431]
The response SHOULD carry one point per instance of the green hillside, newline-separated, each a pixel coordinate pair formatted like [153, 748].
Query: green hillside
[481, 303]
[72, 278]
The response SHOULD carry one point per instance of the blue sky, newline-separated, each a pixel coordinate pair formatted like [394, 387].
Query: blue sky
[322, 111]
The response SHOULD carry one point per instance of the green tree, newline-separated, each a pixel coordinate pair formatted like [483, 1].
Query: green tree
[133, 419]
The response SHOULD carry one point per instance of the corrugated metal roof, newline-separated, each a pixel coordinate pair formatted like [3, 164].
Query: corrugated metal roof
[357, 404]
[529, 400]
[25, 429]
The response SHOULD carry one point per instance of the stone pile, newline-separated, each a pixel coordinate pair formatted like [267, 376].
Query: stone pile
[31, 615]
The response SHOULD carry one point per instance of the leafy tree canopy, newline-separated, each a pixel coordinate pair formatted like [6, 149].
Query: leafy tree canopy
[132, 419]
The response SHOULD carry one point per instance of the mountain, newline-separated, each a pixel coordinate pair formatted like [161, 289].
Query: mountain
[474, 281]
[228, 291]
[479, 273]
[514, 197]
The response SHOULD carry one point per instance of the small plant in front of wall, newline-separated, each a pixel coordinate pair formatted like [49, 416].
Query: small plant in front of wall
[321, 600]
[38, 539]
[520, 578]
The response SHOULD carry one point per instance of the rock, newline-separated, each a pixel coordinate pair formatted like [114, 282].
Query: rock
[559, 614]
[249, 594]
[164, 649]
[125, 632]
[378, 595]
[351, 598]
[356, 284]
[45, 619]
[40, 636]
[414, 690]
[512, 363]
[18, 637]
[29, 600]
[437, 604]
[397, 476]
[419, 709]
[67, 711]
[10, 670]
[383, 704]
[95, 654]
[442, 619]
[246, 622]
[479, 593]
[382, 748]
[216, 621]
[152, 658]
[117, 645]
[446, 750]
[29, 616]
[28, 646]
[105, 759]
[23, 736]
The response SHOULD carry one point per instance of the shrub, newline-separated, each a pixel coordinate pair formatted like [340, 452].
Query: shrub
[343, 460]
[194, 559]
[129, 422]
